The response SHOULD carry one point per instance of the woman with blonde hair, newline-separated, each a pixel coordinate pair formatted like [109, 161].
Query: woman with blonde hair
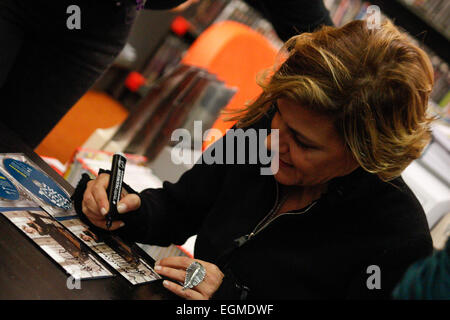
[346, 110]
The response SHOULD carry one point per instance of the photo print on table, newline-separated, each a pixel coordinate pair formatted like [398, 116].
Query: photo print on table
[61, 245]
[124, 259]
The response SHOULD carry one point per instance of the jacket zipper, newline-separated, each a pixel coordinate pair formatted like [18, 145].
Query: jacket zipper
[252, 234]
[243, 239]
[263, 223]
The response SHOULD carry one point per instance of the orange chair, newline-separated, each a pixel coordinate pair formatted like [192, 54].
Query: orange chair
[235, 53]
[94, 110]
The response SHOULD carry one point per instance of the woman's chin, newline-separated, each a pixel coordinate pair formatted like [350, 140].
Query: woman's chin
[284, 178]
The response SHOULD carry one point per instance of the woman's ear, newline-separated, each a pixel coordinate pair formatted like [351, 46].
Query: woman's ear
[351, 163]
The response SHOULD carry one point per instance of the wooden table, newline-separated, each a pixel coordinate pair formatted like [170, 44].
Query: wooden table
[27, 273]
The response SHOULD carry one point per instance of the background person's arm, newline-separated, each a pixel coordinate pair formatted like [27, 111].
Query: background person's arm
[288, 17]
[427, 279]
[292, 17]
[162, 4]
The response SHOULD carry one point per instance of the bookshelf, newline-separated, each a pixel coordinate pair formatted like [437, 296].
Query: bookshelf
[412, 19]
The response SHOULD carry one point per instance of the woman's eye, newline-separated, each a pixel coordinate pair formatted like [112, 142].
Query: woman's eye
[275, 106]
[301, 144]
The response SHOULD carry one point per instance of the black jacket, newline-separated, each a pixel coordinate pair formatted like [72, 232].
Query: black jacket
[323, 253]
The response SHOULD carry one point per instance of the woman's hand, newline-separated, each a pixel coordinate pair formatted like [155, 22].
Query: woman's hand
[175, 268]
[95, 204]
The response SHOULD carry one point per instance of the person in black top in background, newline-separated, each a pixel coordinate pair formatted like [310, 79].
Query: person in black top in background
[292, 17]
[45, 67]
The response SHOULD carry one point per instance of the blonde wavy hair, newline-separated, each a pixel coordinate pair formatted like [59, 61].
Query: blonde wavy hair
[373, 83]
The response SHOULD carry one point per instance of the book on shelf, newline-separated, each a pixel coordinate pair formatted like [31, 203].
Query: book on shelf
[176, 101]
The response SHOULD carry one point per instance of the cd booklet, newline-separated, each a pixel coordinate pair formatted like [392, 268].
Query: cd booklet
[12, 195]
[35, 185]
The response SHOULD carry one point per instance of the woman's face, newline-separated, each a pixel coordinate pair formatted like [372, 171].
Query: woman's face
[310, 150]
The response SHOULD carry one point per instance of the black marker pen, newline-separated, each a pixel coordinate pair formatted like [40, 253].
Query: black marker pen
[114, 189]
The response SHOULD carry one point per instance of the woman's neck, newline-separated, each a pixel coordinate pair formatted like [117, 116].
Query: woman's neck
[301, 196]
[305, 191]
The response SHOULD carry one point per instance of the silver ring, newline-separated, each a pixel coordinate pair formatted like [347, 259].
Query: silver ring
[195, 274]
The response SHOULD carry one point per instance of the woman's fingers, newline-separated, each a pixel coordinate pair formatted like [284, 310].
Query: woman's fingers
[95, 203]
[98, 191]
[101, 223]
[188, 294]
[175, 262]
[94, 199]
[175, 268]
[175, 274]
[89, 205]
[130, 202]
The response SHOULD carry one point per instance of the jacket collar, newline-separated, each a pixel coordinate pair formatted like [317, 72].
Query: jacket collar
[352, 184]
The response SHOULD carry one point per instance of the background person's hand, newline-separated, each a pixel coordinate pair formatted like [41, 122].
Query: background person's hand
[95, 203]
[175, 268]
[184, 5]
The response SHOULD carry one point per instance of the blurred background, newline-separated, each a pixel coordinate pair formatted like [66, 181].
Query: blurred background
[190, 63]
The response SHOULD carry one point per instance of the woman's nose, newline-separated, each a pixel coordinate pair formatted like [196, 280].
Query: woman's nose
[283, 139]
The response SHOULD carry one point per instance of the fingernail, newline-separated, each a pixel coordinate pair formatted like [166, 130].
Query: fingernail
[122, 224]
[158, 268]
[156, 263]
[166, 283]
[103, 211]
[121, 208]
